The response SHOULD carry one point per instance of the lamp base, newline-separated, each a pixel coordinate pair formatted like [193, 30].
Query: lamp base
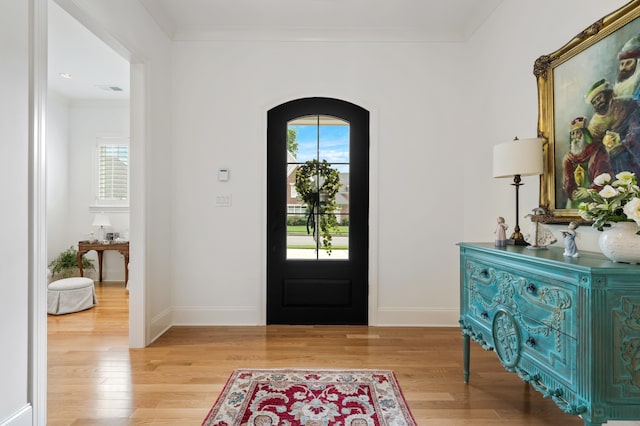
[517, 239]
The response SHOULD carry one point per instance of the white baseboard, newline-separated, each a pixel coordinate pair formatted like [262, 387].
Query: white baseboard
[417, 317]
[217, 315]
[250, 315]
[159, 325]
[22, 417]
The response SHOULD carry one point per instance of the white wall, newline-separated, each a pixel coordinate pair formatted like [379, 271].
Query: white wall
[126, 27]
[505, 104]
[58, 167]
[222, 92]
[437, 109]
[497, 101]
[15, 406]
[73, 129]
[87, 122]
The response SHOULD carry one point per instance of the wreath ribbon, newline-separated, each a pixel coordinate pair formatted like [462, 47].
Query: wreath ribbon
[311, 219]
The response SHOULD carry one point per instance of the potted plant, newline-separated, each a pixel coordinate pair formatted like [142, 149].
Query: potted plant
[617, 201]
[66, 264]
[617, 205]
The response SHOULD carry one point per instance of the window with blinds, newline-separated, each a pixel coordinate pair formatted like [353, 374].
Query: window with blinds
[113, 172]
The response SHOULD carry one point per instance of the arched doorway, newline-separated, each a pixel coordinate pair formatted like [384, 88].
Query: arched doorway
[317, 235]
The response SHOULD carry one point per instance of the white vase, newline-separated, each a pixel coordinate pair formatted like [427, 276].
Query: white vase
[620, 242]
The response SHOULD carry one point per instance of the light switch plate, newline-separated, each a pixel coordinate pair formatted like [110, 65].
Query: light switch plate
[223, 200]
[223, 175]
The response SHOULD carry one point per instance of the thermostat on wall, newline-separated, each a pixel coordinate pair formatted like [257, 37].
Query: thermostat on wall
[223, 175]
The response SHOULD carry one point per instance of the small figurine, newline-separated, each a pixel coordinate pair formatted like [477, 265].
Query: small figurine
[570, 248]
[501, 233]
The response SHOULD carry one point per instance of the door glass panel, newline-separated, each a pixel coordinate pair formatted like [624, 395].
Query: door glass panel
[342, 197]
[303, 138]
[318, 188]
[333, 140]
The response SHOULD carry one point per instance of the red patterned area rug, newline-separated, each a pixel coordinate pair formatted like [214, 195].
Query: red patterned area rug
[311, 398]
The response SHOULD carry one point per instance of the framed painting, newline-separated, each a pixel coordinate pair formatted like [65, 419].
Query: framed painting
[588, 110]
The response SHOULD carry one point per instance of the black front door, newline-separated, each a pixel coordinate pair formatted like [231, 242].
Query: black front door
[317, 212]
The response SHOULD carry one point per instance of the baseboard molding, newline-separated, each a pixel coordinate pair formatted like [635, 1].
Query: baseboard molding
[159, 325]
[416, 317]
[22, 417]
[219, 315]
[248, 315]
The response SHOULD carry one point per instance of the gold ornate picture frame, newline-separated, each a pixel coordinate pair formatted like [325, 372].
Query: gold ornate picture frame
[572, 98]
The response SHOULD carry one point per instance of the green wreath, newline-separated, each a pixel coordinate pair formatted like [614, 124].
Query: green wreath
[320, 200]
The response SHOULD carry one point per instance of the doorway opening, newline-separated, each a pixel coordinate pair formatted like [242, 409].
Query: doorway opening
[318, 208]
[87, 143]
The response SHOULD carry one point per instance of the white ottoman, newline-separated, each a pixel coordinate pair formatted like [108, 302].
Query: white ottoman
[71, 295]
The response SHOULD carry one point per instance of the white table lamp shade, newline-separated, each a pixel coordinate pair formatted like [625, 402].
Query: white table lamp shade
[519, 157]
[101, 220]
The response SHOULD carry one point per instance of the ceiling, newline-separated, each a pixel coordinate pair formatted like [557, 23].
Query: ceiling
[416, 20]
[93, 66]
[96, 69]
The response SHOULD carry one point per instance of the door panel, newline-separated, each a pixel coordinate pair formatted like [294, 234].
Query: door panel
[306, 282]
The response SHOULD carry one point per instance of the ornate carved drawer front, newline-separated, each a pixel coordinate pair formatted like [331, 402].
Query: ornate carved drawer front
[525, 318]
[549, 301]
[546, 350]
[481, 294]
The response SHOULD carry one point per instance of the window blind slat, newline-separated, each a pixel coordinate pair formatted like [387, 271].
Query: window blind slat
[113, 173]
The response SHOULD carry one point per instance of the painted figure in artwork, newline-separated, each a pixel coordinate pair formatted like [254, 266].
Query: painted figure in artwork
[570, 248]
[621, 158]
[583, 162]
[501, 232]
[619, 119]
[628, 80]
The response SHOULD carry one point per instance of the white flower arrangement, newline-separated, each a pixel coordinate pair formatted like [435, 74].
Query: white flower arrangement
[617, 201]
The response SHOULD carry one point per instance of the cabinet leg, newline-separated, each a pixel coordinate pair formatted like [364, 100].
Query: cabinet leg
[465, 356]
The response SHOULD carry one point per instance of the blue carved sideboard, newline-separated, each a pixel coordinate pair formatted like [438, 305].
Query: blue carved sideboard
[570, 327]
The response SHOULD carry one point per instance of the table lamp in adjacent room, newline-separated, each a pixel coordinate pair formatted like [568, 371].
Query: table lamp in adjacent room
[520, 157]
[101, 220]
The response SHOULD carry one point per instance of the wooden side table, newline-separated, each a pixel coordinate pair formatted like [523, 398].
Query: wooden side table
[100, 247]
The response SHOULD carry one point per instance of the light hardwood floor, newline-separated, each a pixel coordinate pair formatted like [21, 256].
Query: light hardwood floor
[95, 379]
